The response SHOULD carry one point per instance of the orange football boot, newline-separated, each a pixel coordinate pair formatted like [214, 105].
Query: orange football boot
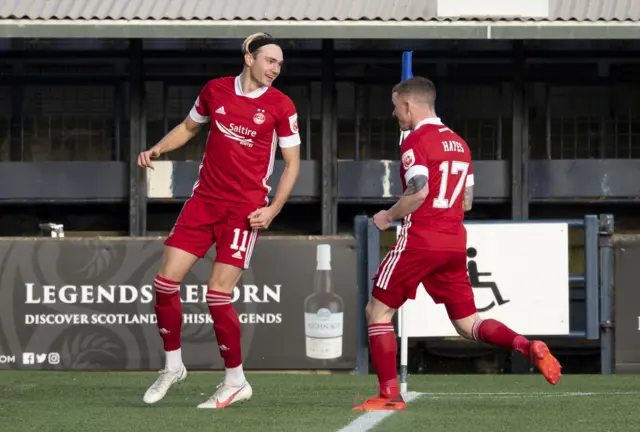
[545, 361]
[382, 403]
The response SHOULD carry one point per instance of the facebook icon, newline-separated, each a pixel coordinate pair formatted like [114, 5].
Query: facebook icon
[28, 358]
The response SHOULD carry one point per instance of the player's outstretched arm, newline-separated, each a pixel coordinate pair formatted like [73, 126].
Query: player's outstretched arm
[175, 139]
[468, 198]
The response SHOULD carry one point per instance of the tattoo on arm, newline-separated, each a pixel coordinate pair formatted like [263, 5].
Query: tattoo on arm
[415, 184]
[468, 198]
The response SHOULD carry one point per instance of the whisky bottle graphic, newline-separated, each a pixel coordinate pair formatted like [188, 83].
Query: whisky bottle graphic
[323, 313]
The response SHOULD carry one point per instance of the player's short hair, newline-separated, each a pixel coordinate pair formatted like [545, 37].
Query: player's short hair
[417, 86]
[254, 42]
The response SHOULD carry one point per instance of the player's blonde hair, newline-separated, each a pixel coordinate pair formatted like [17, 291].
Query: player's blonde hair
[251, 38]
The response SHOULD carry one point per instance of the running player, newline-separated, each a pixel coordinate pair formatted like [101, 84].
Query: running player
[228, 207]
[437, 180]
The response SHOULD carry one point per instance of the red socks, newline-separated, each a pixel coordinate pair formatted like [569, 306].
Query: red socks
[495, 333]
[384, 348]
[168, 312]
[226, 326]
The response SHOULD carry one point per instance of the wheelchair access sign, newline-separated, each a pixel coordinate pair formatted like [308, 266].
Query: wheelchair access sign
[520, 275]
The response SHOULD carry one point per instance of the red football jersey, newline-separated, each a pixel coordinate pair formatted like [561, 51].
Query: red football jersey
[444, 158]
[241, 146]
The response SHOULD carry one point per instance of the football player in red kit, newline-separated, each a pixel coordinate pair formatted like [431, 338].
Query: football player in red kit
[437, 181]
[248, 119]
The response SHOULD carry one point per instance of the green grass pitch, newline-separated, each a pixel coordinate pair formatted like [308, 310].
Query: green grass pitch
[112, 401]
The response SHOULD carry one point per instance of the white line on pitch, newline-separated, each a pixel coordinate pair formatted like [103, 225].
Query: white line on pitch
[372, 418]
[509, 395]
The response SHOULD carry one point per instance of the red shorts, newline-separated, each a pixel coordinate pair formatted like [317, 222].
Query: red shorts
[442, 273]
[201, 224]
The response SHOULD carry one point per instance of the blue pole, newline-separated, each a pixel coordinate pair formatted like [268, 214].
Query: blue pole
[407, 65]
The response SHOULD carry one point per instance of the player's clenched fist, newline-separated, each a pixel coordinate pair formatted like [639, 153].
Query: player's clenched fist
[382, 220]
[261, 218]
[144, 158]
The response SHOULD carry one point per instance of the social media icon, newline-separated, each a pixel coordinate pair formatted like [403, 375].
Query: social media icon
[28, 358]
[54, 358]
[40, 358]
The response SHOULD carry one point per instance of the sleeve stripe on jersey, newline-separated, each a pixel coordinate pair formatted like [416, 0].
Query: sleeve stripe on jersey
[290, 141]
[416, 170]
[470, 180]
[197, 117]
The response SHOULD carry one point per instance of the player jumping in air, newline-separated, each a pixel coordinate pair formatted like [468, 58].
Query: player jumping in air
[229, 205]
[437, 179]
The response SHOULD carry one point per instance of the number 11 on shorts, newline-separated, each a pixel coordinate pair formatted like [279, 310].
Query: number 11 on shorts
[236, 236]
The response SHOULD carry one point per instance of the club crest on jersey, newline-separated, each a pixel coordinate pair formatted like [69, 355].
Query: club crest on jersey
[408, 159]
[259, 117]
[293, 123]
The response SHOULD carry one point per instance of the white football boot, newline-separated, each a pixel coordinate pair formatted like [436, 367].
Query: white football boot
[161, 386]
[227, 395]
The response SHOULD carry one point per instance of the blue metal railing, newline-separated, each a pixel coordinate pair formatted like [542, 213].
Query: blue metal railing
[596, 281]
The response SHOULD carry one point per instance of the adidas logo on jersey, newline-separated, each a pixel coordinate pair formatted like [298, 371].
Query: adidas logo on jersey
[237, 255]
[220, 110]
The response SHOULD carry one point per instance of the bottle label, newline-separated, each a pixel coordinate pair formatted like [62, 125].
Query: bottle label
[324, 349]
[323, 324]
[324, 334]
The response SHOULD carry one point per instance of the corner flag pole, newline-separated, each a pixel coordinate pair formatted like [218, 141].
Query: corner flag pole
[407, 72]
[407, 65]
